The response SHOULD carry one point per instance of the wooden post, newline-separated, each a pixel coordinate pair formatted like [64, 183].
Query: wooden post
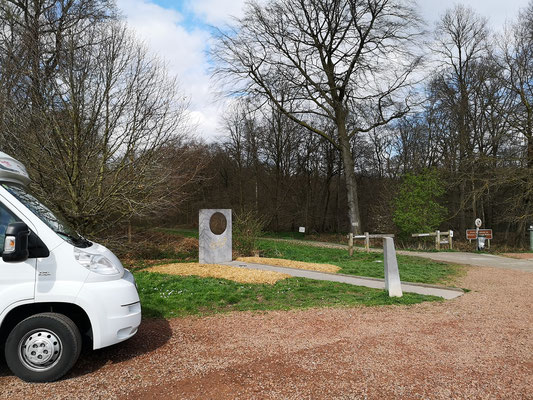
[437, 240]
[367, 242]
[130, 235]
[450, 238]
[350, 244]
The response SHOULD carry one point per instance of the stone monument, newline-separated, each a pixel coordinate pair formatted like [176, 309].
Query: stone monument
[392, 275]
[215, 239]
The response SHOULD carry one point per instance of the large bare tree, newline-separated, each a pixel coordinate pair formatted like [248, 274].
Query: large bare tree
[461, 44]
[348, 61]
[101, 138]
[516, 60]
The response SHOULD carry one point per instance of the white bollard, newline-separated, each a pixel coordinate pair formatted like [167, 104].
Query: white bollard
[392, 275]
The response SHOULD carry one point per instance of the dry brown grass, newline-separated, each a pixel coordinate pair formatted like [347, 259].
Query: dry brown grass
[279, 262]
[241, 275]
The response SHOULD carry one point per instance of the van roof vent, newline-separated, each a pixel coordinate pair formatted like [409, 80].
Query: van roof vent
[12, 171]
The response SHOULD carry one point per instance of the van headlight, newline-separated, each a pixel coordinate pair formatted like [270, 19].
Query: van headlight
[95, 262]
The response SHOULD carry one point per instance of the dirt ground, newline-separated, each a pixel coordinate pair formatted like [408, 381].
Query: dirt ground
[521, 256]
[478, 346]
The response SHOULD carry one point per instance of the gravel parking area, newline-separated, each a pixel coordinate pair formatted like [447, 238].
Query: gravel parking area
[521, 256]
[478, 346]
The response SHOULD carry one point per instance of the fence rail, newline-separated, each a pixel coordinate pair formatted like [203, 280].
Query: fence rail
[438, 235]
[367, 236]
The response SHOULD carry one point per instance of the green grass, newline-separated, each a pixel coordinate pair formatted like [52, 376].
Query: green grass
[284, 235]
[186, 232]
[165, 296]
[412, 269]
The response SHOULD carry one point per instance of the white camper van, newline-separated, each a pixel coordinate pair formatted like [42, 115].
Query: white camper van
[55, 286]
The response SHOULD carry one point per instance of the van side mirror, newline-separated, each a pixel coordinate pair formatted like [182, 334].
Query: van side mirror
[16, 242]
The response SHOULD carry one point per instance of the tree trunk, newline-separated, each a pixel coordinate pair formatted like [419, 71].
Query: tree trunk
[351, 183]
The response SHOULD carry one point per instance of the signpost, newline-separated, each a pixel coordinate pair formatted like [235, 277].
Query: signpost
[480, 235]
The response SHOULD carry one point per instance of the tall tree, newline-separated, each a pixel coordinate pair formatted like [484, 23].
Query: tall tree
[517, 61]
[461, 43]
[96, 142]
[348, 61]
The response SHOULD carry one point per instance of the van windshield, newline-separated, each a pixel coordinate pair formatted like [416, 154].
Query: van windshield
[58, 225]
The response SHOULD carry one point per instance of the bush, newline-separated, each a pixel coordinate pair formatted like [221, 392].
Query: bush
[416, 209]
[153, 245]
[247, 228]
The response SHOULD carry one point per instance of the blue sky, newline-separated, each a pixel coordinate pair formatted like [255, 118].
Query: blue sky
[179, 32]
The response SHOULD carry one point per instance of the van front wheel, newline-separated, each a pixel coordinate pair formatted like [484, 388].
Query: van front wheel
[43, 347]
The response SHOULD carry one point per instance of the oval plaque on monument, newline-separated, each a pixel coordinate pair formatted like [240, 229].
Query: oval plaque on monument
[218, 223]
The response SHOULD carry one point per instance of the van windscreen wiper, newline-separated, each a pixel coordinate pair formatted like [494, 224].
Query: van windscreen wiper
[76, 239]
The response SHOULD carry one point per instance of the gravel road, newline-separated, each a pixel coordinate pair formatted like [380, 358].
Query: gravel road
[478, 346]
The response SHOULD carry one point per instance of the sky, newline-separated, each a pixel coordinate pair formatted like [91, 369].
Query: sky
[178, 31]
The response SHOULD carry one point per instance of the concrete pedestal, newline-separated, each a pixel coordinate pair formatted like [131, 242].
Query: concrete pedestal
[392, 275]
[215, 236]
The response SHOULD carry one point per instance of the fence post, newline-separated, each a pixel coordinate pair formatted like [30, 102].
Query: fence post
[437, 240]
[350, 244]
[450, 238]
[367, 242]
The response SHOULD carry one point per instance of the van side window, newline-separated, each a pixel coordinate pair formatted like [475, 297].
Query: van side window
[6, 218]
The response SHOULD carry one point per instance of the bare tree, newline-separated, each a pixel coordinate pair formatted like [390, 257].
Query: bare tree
[461, 43]
[517, 62]
[348, 61]
[241, 126]
[34, 35]
[97, 147]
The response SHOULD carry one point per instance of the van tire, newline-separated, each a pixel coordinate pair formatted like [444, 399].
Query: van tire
[57, 343]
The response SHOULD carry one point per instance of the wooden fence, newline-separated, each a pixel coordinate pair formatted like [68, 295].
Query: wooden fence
[367, 236]
[438, 235]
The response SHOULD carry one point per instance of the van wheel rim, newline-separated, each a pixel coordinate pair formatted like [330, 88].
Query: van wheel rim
[40, 350]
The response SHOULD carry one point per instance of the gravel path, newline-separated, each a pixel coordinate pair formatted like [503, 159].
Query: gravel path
[520, 263]
[478, 346]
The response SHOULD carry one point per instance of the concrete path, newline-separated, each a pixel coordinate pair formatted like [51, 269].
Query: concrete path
[475, 259]
[446, 293]
[463, 258]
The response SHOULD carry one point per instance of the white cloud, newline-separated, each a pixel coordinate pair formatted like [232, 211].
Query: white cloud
[184, 53]
[216, 12]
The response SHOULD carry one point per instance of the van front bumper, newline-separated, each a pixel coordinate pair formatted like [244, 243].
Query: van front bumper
[114, 309]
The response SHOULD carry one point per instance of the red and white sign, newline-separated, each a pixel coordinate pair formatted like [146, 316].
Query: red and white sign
[472, 234]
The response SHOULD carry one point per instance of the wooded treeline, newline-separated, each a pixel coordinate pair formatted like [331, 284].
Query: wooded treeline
[332, 104]
[470, 119]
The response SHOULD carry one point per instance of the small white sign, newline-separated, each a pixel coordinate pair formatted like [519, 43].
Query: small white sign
[301, 229]
[451, 233]
[355, 223]
[478, 222]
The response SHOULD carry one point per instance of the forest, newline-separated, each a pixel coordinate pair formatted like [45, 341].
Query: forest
[343, 116]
